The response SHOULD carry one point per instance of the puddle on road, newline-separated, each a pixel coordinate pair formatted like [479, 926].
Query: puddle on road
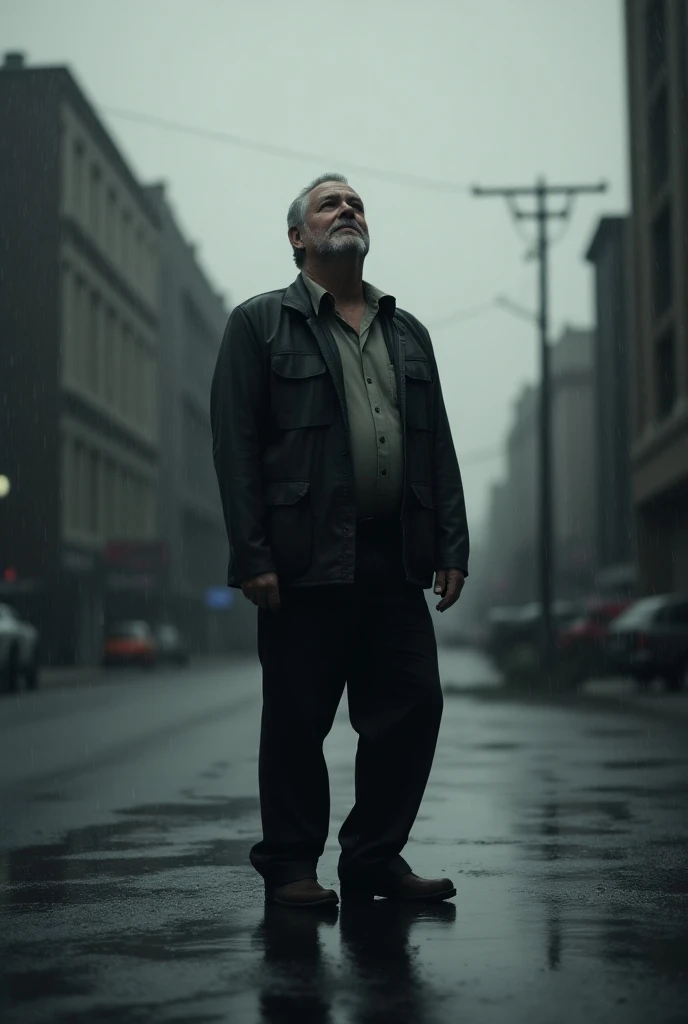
[125, 848]
[157, 915]
[657, 762]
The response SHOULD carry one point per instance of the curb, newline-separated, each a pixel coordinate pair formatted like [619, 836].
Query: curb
[667, 706]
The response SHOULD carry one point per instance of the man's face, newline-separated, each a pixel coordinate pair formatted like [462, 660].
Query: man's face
[335, 222]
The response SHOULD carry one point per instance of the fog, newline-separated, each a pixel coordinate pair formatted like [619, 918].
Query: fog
[454, 93]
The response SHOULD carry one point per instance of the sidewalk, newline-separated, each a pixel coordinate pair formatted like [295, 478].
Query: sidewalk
[625, 693]
[467, 672]
[81, 676]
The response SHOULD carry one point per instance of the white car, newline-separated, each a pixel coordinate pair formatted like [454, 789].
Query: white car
[18, 651]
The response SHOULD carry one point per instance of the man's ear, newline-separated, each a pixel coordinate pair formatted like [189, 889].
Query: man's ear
[295, 239]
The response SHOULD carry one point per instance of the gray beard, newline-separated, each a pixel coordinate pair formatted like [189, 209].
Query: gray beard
[342, 244]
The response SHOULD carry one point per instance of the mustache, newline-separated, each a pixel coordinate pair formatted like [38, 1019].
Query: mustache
[341, 223]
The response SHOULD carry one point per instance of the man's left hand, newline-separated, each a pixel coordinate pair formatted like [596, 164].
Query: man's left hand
[448, 584]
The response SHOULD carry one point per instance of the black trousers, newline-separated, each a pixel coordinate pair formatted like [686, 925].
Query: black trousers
[376, 636]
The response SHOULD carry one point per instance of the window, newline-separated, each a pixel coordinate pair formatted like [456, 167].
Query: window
[655, 36]
[151, 396]
[78, 178]
[659, 141]
[138, 267]
[112, 240]
[77, 330]
[125, 372]
[125, 240]
[67, 484]
[94, 201]
[136, 382]
[124, 503]
[77, 482]
[93, 493]
[93, 342]
[109, 526]
[108, 363]
[116, 381]
[150, 510]
[66, 320]
[665, 375]
[679, 614]
[662, 263]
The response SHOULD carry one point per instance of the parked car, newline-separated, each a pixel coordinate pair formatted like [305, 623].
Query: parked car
[650, 640]
[130, 643]
[582, 645]
[502, 623]
[515, 634]
[171, 645]
[19, 651]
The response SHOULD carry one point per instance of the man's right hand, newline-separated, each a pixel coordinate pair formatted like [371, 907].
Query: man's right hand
[263, 591]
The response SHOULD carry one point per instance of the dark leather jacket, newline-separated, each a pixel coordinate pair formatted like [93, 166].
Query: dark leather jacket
[281, 447]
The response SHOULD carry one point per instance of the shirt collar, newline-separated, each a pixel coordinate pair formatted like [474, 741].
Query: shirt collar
[385, 302]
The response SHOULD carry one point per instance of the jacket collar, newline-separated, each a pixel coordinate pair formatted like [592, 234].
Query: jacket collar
[298, 297]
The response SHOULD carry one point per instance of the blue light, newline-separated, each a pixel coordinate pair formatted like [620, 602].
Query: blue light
[219, 598]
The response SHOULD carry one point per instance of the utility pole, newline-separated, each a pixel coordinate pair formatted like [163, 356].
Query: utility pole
[542, 215]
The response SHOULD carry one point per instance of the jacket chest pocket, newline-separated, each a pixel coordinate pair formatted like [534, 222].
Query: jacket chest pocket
[419, 412]
[301, 391]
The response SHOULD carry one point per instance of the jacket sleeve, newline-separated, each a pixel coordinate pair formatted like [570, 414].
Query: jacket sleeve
[238, 407]
[452, 543]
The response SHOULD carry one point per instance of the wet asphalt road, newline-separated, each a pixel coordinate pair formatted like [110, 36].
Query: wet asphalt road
[128, 809]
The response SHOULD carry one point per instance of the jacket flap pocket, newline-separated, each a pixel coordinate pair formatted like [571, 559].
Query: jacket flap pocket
[419, 369]
[286, 492]
[298, 365]
[424, 494]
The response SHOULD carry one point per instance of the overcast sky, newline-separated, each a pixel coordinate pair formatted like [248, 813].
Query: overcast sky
[466, 91]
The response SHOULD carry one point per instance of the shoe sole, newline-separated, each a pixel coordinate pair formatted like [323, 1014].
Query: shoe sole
[329, 902]
[365, 894]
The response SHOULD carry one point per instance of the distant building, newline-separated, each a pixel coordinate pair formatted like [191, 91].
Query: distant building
[520, 518]
[574, 466]
[608, 253]
[192, 320]
[78, 385]
[657, 58]
[513, 543]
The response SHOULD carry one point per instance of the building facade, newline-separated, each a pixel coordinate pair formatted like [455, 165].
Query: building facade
[608, 253]
[193, 317]
[657, 61]
[513, 546]
[521, 515]
[574, 444]
[79, 420]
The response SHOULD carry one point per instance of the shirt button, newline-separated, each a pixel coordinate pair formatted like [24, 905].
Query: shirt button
[382, 440]
[369, 379]
[384, 472]
[377, 408]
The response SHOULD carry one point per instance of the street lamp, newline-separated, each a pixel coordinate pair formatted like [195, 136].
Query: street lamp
[5, 485]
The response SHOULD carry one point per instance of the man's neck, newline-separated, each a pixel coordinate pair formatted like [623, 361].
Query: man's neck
[343, 279]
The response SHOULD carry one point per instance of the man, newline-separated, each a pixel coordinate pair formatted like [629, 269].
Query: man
[342, 498]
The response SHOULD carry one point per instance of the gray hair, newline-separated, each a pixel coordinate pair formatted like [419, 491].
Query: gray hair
[296, 216]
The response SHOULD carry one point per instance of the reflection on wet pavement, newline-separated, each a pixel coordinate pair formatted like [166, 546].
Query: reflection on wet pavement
[565, 832]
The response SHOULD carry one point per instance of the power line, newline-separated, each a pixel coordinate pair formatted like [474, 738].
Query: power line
[542, 215]
[461, 315]
[500, 302]
[285, 152]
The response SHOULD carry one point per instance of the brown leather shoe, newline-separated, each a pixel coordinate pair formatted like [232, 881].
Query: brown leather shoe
[307, 892]
[408, 888]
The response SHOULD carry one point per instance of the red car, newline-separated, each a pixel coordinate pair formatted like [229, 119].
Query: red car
[582, 645]
[130, 643]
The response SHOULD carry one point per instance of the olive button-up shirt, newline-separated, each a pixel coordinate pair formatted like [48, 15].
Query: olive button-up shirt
[371, 399]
